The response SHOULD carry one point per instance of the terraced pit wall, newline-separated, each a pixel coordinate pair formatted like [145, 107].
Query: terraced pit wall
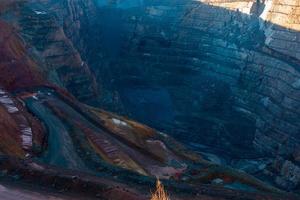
[209, 66]
[209, 72]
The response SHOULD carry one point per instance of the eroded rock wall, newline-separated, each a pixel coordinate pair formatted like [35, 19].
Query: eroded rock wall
[212, 64]
[45, 28]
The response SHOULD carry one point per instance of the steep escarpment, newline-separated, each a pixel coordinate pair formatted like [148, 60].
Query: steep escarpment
[14, 56]
[40, 24]
[211, 72]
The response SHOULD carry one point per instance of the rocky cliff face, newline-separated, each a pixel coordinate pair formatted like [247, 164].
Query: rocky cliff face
[214, 72]
[45, 28]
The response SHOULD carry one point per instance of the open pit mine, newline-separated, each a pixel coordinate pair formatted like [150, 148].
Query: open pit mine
[150, 99]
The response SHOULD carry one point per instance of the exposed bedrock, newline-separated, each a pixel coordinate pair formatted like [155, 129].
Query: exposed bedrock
[221, 74]
[45, 29]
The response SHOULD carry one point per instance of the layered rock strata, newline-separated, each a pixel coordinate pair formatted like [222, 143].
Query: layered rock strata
[207, 64]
